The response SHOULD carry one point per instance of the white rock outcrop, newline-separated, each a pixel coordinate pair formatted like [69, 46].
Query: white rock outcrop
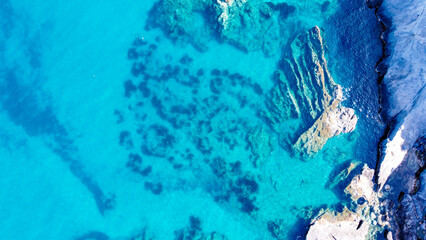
[331, 123]
[359, 224]
[342, 226]
[362, 186]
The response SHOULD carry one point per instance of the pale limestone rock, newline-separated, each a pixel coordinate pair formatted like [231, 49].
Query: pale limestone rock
[403, 177]
[342, 226]
[362, 186]
[393, 157]
[332, 122]
[348, 225]
[224, 16]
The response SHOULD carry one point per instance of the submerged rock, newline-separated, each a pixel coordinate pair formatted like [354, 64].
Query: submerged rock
[249, 24]
[282, 103]
[278, 229]
[304, 81]
[195, 231]
[177, 19]
[214, 236]
[305, 89]
[318, 94]
[341, 176]
[305, 68]
[260, 144]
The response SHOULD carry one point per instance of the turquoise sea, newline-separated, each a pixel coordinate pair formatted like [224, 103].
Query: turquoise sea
[126, 120]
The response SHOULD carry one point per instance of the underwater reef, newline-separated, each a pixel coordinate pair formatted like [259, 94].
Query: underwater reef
[213, 119]
[210, 114]
[304, 86]
[249, 25]
[226, 116]
[223, 126]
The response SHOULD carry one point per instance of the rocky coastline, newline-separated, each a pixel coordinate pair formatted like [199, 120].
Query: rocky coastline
[393, 198]
[385, 202]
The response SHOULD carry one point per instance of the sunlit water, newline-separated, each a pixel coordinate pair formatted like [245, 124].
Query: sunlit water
[87, 155]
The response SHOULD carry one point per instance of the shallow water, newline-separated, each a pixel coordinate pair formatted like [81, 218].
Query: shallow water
[94, 148]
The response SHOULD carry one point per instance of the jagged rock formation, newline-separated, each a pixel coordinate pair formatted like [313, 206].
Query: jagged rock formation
[399, 206]
[402, 153]
[405, 197]
[360, 223]
[411, 215]
[331, 123]
[362, 186]
[406, 177]
[305, 88]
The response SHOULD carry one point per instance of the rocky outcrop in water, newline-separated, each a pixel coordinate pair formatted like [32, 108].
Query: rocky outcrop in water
[331, 226]
[362, 187]
[358, 223]
[305, 89]
[319, 95]
[331, 123]
[399, 206]
[341, 175]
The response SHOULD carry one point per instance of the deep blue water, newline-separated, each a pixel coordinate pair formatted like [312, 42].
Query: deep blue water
[114, 126]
